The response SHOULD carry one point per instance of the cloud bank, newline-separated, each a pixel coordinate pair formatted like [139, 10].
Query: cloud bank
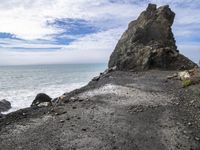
[82, 31]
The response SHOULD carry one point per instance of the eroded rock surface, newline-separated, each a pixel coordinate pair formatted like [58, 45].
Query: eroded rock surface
[148, 43]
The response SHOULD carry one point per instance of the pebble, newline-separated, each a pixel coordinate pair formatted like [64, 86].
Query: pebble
[112, 113]
[66, 101]
[96, 78]
[80, 100]
[185, 132]
[62, 121]
[191, 102]
[74, 107]
[187, 137]
[64, 112]
[61, 113]
[140, 110]
[165, 81]
[176, 103]
[84, 129]
[197, 138]
[73, 99]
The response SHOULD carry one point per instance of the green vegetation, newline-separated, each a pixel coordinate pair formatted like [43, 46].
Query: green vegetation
[186, 82]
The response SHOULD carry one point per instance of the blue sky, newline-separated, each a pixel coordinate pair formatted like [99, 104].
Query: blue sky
[82, 31]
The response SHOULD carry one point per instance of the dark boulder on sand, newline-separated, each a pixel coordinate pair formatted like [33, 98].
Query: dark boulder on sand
[42, 98]
[4, 105]
[149, 43]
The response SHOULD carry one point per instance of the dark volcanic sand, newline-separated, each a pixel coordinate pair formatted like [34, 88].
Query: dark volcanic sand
[123, 110]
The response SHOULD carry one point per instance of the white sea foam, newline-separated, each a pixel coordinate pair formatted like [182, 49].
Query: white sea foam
[20, 84]
[22, 98]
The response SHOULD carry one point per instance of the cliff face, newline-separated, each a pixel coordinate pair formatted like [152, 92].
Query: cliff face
[148, 43]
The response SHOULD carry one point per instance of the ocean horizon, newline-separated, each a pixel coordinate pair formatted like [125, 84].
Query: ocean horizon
[20, 84]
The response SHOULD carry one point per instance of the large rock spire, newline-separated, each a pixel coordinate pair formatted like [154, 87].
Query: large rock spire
[148, 43]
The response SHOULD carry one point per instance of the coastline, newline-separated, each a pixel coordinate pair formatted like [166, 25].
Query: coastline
[142, 101]
[141, 106]
[20, 85]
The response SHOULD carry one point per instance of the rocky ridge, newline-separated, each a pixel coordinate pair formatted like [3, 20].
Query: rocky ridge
[149, 43]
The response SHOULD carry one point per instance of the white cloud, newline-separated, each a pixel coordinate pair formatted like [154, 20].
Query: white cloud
[94, 48]
[27, 20]
[13, 43]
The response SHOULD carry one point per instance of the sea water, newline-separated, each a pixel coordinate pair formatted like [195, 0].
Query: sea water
[20, 84]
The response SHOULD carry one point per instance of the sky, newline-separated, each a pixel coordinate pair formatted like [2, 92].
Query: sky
[82, 31]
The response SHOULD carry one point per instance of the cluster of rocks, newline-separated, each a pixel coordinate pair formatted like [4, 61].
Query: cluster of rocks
[43, 99]
[40, 100]
[188, 77]
[148, 43]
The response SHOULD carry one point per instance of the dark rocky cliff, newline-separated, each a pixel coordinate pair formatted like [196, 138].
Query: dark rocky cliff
[148, 43]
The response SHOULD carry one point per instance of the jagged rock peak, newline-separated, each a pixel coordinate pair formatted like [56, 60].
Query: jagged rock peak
[149, 43]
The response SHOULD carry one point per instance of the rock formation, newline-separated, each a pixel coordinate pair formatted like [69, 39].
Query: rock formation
[4, 105]
[148, 43]
[41, 98]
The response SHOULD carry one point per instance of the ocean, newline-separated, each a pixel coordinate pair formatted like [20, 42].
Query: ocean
[20, 84]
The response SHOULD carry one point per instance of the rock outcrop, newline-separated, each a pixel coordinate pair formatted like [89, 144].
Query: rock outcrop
[148, 43]
[41, 99]
[4, 105]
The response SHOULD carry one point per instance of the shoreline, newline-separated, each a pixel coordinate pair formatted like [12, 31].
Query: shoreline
[54, 91]
[21, 85]
[141, 102]
[116, 96]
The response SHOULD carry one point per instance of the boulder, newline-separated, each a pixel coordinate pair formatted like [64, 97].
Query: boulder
[184, 75]
[41, 100]
[4, 105]
[149, 43]
[96, 78]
